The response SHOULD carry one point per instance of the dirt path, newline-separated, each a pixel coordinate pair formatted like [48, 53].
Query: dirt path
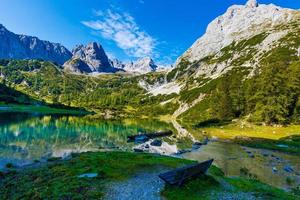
[142, 186]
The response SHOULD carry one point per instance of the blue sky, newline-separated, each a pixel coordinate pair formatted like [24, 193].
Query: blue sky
[127, 29]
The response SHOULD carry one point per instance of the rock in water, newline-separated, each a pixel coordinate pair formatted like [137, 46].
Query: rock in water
[88, 175]
[141, 139]
[156, 143]
[288, 169]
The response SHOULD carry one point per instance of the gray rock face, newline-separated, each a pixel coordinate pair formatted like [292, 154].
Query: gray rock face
[28, 47]
[141, 66]
[117, 64]
[238, 23]
[89, 58]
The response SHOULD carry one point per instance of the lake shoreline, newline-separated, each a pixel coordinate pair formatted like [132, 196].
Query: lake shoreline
[121, 166]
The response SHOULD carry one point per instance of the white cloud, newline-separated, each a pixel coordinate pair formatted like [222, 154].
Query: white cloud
[124, 31]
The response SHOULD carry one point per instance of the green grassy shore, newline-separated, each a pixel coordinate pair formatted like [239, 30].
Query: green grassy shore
[59, 179]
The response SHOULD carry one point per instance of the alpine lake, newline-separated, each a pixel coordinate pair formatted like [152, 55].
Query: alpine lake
[26, 138]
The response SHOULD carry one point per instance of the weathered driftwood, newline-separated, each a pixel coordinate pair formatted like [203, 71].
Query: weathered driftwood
[179, 176]
[147, 136]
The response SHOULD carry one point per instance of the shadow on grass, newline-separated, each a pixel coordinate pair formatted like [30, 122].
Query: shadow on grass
[198, 188]
[211, 123]
[290, 144]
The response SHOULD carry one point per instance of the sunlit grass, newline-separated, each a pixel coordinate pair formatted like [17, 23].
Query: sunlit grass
[236, 130]
[232, 131]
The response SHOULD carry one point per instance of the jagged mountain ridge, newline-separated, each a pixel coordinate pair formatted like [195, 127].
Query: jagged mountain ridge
[93, 59]
[27, 47]
[83, 59]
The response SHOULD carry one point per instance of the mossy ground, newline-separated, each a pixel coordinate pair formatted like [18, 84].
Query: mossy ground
[58, 180]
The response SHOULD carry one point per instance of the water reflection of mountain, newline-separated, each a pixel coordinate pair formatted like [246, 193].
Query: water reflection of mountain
[7, 118]
[25, 136]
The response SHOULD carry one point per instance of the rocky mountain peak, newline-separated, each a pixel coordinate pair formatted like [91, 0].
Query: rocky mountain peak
[142, 66]
[252, 4]
[237, 23]
[92, 51]
[93, 55]
[2, 27]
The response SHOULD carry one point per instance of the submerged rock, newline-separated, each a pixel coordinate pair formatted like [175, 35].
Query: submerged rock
[282, 146]
[88, 175]
[156, 143]
[141, 139]
[196, 145]
[288, 169]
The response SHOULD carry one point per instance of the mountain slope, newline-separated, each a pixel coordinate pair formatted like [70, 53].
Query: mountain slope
[238, 23]
[252, 73]
[246, 65]
[28, 47]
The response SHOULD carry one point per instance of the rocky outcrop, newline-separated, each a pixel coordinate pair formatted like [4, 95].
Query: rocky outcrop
[141, 66]
[88, 59]
[28, 47]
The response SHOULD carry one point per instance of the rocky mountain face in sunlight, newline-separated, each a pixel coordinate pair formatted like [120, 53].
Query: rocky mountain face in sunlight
[27, 47]
[88, 59]
[243, 31]
[142, 66]
[93, 59]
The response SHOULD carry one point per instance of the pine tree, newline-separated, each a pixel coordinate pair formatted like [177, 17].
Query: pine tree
[221, 102]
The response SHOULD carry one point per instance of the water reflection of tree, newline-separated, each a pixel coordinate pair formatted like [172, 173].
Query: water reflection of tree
[39, 135]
